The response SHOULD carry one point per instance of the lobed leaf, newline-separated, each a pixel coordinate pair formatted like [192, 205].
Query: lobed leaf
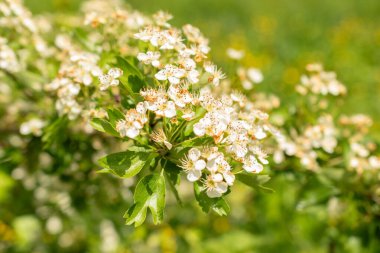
[149, 193]
[126, 164]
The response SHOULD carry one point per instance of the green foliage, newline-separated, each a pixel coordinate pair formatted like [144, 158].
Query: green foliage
[149, 193]
[125, 164]
[104, 126]
[217, 205]
[255, 181]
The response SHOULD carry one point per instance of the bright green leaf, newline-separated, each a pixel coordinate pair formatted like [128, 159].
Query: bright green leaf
[149, 193]
[114, 115]
[125, 164]
[104, 126]
[254, 181]
[128, 67]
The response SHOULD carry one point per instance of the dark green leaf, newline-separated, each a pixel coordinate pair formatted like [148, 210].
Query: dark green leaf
[172, 172]
[135, 83]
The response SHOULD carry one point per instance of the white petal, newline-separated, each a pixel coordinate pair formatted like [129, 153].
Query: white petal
[217, 177]
[200, 165]
[194, 175]
[221, 187]
[198, 129]
[194, 154]
[229, 178]
[161, 75]
[132, 132]
[170, 111]
[173, 80]
[213, 193]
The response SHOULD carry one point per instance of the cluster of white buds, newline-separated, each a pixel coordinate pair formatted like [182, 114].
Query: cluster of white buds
[319, 81]
[361, 157]
[361, 153]
[14, 14]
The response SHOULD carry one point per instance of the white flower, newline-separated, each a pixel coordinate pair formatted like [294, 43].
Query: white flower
[193, 164]
[191, 74]
[161, 18]
[150, 58]
[132, 124]
[180, 95]
[374, 162]
[170, 73]
[215, 187]
[252, 165]
[218, 164]
[214, 124]
[110, 79]
[33, 126]
[166, 109]
[255, 75]
[235, 54]
[216, 75]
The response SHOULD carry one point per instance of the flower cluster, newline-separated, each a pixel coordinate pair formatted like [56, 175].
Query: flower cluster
[8, 59]
[180, 93]
[319, 81]
[305, 145]
[75, 73]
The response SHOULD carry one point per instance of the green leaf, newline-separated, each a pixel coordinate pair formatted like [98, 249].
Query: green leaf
[218, 205]
[172, 172]
[125, 164]
[135, 83]
[255, 181]
[128, 67]
[149, 193]
[104, 126]
[53, 133]
[114, 115]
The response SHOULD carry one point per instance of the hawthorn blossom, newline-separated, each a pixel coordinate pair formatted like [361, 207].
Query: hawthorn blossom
[134, 121]
[32, 126]
[150, 58]
[215, 186]
[215, 74]
[171, 73]
[193, 164]
[251, 164]
[110, 79]
[235, 54]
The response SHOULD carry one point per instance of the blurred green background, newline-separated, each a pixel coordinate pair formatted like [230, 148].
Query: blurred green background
[280, 37]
